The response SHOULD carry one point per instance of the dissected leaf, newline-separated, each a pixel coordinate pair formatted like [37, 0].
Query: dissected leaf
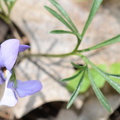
[59, 17]
[114, 69]
[61, 32]
[76, 92]
[95, 6]
[12, 3]
[71, 85]
[114, 76]
[79, 67]
[98, 93]
[63, 12]
[9, 0]
[114, 84]
[99, 80]
[105, 43]
[77, 74]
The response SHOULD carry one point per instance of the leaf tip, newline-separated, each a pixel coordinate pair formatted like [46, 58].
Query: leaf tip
[68, 106]
[62, 80]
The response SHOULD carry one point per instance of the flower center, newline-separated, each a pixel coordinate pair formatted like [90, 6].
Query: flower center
[4, 71]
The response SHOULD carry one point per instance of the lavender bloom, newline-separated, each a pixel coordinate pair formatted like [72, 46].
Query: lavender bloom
[21, 89]
[8, 54]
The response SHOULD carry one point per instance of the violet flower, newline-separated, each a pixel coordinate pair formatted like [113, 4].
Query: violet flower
[8, 54]
[9, 50]
[21, 89]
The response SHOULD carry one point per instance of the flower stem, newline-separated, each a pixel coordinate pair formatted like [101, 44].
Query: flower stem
[48, 55]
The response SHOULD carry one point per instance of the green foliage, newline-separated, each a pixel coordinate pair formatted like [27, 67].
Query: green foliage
[5, 13]
[95, 78]
[59, 17]
[105, 43]
[61, 32]
[9, 0]
[115, 70]
[75, 76]
[71, 85]
[63, 17]
[114, 84]
[94, 8]
[76, 92]
[98, 93]
[100, 81]
[13, 78]
[85, 76]
[63, 13]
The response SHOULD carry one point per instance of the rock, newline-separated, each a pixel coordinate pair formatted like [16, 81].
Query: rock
[67, 114]
[114, 8]
[93, 110]
[3, 30]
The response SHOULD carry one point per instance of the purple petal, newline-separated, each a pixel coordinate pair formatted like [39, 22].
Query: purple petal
[23, 47]
[8, 53]
[9, 98]
[1, 60]
[2, 78]
[28, 87]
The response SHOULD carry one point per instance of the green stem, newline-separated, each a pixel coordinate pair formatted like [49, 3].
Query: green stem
[4, 18]
[83, 50]
[79, 39]
[2, 10]
[13, 78]
[48, 55]
[56, 55]
[7, 6]
[78, 43]
[82, 56]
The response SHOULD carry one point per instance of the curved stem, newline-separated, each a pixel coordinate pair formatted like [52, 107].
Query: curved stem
[79, 39]
[78, 43]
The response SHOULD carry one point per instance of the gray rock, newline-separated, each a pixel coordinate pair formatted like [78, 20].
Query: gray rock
[93, 110]
[3, 30]
[65, 114]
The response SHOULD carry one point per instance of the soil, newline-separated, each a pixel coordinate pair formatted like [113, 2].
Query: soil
[115, 115]
[50, 110]
[46, 112]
